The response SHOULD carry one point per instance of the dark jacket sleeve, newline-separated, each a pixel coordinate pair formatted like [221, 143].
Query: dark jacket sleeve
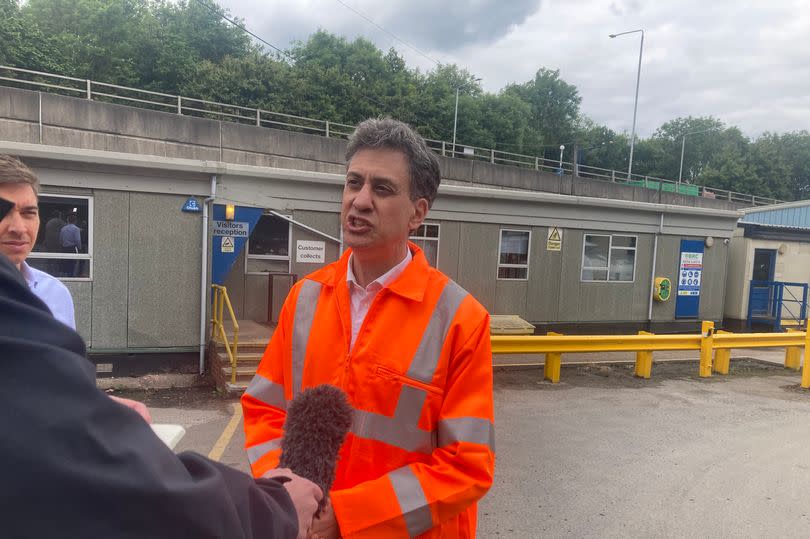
[73, 463]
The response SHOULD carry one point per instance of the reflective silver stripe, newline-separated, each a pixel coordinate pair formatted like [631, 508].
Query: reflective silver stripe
[427, 354]
[475, 430]
[402, 430]
[389, 430]
[302, 324]
[257, 451]
[409, 406]
[412, 500]
[266, 391]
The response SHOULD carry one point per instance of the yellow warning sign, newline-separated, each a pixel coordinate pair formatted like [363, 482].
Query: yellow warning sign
[227, 244]
[554, 242]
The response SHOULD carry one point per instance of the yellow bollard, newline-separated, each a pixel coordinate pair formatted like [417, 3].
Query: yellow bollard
[644, 360]
[806, 369]
[551, 368]
[793, 355]
[722, 358]
[706, 345]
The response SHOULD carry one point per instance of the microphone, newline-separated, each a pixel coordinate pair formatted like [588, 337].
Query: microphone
[317, 423]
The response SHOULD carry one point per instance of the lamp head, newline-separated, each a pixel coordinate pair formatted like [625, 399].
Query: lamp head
[612, 35]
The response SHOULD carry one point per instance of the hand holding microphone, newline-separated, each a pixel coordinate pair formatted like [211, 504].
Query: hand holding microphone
[316, 425]
[304, 494]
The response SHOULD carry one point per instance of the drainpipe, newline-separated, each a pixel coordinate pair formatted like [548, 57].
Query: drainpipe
[652, 273]
[204, 272]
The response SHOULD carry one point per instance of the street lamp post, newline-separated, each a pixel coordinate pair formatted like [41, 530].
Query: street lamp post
[635, 105]
[455, 122]
[683, 146]
[562, 149]
[455, 116]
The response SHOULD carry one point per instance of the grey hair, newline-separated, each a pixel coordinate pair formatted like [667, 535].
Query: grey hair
[376, 133]
[12, 170]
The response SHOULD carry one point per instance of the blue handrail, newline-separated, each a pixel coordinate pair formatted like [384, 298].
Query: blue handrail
[767, 303]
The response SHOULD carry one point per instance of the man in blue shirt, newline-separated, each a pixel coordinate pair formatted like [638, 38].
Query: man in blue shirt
[71, 236]
[18, 235]
[71, 239]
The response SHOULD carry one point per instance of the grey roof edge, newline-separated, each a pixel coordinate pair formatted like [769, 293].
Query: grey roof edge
[103, 157]
[541, 196]
[774, 226]
[782, 206]
[220, 168]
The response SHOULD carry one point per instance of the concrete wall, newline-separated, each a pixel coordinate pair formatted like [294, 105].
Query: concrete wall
[739, 276]
[615, 301]
[164, 272]
[554, 292]
[79, 123]
[144, 291]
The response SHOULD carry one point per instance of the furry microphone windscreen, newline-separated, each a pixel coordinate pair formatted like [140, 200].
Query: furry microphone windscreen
[317, 422]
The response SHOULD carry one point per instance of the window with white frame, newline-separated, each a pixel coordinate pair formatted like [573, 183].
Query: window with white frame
[609, 258]
[513, 254]
[268, 248]
[427, 238]
[64, 246]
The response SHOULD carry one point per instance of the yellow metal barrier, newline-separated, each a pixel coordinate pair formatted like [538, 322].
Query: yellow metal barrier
[793, 355]
[644, 359]
[709, 343]
[722, 357]
[551, 368]
[806, 369]
[221, 300]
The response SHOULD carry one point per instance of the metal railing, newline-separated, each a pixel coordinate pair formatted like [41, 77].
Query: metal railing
[774, 303]
[189, 106]
[709, 342]
[220, 300]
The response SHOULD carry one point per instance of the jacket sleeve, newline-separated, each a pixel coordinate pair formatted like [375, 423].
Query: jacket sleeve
[74, 463]
[415, 498]
[264, 401]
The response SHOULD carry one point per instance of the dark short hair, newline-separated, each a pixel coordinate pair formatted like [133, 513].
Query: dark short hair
[391, 134]
[12, 170]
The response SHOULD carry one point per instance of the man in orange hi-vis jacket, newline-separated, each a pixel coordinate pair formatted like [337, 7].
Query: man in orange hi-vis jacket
[410, 348]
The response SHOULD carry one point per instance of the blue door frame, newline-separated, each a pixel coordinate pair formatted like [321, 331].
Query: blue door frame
[760, 297]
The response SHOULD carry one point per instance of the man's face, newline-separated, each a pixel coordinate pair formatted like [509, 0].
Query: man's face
[377, 212]
[18, 231]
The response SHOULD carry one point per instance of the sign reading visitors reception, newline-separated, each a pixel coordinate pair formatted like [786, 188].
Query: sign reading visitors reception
[310, 252]
[237, 229]
[554, 242]
[690, 273]
[227, 244]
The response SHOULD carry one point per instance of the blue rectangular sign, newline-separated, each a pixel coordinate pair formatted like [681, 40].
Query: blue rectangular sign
[690, 275]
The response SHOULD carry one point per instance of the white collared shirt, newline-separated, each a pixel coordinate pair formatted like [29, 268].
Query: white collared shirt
[52, 292]
[361, 298]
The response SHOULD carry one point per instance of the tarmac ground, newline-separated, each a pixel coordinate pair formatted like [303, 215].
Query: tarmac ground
[605, 454]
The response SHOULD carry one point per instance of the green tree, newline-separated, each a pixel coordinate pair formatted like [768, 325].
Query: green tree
[554, 104]
[795, 148]
[22, 42]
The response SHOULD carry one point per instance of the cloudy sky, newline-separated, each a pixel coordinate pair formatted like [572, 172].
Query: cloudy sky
[746, 62]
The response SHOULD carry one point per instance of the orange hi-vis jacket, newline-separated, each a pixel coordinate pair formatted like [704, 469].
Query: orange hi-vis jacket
[420, 452]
